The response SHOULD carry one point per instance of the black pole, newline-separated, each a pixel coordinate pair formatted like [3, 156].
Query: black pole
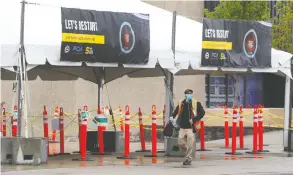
[20, 71]
[226, 89]
[208, 95]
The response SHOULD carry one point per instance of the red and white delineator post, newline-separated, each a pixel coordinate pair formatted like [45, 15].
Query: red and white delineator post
[46, 128]
[4, 120]
[62, 137]
[255, 132]
[202, 137]
[102, 121]
[234, 133]
[83, 136]
[241, 130]
[226, 127]
[14, 121]
[141, 131]
[260, 130]
[154, 133]
[56, 114]
[127, 136]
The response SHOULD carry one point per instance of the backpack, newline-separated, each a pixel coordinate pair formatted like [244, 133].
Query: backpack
[196, 124]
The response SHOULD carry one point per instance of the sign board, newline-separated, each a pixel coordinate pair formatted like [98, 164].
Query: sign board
[100, 119]
[105, 37]
[236, 44]
[15, 113]
[84, 115]
[55, 124]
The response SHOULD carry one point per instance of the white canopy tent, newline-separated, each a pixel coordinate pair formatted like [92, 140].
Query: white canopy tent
[42, 42]
[42, 39]
[188, 62]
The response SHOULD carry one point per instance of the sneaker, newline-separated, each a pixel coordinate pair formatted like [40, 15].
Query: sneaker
[187, 162]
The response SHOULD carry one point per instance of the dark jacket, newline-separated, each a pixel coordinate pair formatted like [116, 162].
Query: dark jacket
[187, 114]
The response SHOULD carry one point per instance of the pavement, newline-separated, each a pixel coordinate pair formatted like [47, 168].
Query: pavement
[213, 162]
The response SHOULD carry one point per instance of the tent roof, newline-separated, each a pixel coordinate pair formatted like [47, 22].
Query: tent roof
[42, 39]
[188, 53]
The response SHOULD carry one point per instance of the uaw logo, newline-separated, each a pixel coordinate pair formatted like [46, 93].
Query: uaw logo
[250, 43]
[126, 38]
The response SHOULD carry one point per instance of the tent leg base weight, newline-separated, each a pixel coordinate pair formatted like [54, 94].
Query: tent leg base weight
[52, 155]
[83, 159]
[101, 154]
[143, 151]
[151, 156]
[203, 150]
[242, 149]
[161, 151]
[234, 154]
[253, 152]
[126, 157]
[62, 154]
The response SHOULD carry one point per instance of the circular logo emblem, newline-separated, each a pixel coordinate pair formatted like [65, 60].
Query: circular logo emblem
[207, 55]
[126, 38]
[250, 43]
[67, 49]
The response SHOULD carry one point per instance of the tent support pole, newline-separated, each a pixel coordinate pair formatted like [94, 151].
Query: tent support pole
[169, 81]
[287, 112]
[288, 108]
[20, 71]
[100, 86]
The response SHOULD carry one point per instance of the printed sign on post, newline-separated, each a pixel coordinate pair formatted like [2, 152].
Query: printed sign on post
[84, 115]
[15, 114]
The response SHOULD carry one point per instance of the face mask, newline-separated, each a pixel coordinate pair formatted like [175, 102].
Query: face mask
[189, 97]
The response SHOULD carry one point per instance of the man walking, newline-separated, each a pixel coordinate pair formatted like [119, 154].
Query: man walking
[189, 112]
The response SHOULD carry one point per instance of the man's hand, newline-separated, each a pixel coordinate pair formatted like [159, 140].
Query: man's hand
[190, 121]
[173, 121]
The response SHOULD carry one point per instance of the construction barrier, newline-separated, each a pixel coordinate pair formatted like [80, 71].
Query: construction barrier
[255, 132]
[202, 137]
[226, 127]
[150, 124]
[46, 128]
[241, 130]
[154, 132]
[14, 121]
[234, 133]
[141, 131]
[260, 129]
[102, 121]
[62, 137]
[127, 136]
[4, 123]
[56, 113]
[83, 136]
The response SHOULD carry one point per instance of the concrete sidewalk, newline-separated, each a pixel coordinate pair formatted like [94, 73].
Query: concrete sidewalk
[213, 162]
[247, 166]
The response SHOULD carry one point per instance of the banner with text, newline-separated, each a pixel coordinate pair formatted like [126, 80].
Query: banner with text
[236, 44]
[106, 37]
